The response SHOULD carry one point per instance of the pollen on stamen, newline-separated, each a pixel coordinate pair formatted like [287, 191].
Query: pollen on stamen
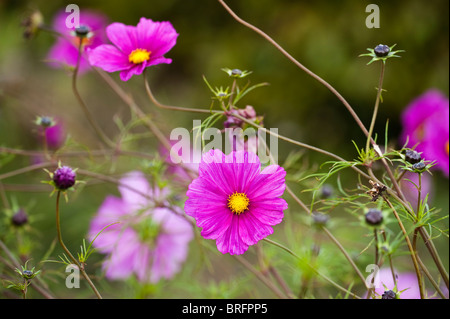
[238, 203]
[138, 56]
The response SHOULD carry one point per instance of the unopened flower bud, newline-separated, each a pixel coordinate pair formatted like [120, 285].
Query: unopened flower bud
[236, 72]
[320, 219]
[82, 31]
[19, 218]
[32, 23]
[412, 156]
[419, 167]
[381, 50]
[374, 217]
[389, 294]
[64, 178]
[326, 191]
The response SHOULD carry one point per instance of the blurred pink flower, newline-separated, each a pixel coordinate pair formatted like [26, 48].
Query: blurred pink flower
[150, 241]
[135, 48]
[384, 281]
[410, 190]
[65, 51]
[182, 161]
[426, 123]
[55, 135]
[234, 202]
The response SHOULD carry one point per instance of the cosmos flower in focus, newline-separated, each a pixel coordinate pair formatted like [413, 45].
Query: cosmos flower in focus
[65, 51]
[234, 202]
[134, 47]
[150, 241]
[426, 124]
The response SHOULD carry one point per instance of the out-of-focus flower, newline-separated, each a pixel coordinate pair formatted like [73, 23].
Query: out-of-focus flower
[64, 52]
[135, 48]
[426, 123]
[234, 202]
[409, 184]
[182, 161]
[32, 23]
[407, 286]
[55, 135]
[19, 218]
[150, 241]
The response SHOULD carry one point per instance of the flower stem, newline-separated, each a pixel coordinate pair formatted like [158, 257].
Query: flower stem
[83, 105]
[61, 242]
[297, 63]
[312, 268]
[375, 109]
[344, 252]
[410, 247]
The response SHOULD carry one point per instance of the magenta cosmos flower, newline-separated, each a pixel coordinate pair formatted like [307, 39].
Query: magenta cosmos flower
[426, 124]
[135, 48]
[234, 202]
[65, 51]
[150, 242]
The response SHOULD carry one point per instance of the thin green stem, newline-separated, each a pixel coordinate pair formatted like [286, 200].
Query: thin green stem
[83, 105]
[74, 260]
[312, 268]
[344, 252]
[410, 247]
[375, 109]
[170, 107]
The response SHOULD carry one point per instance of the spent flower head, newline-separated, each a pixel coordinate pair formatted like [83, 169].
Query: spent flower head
[382, 52]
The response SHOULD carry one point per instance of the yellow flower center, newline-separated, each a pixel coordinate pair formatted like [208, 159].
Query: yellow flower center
[238, 202]
[139, 55]
[446, 148]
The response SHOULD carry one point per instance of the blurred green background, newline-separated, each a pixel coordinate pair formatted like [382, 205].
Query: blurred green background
[325, 36]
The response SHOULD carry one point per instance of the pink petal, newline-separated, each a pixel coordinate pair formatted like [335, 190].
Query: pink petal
[123, 36]
[251, 230]
[137, 69]
[230, 241]
[156, 37]
[109, 58]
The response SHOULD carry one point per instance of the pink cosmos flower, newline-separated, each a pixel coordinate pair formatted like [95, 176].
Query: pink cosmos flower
[65, 51]
[426, 123]
[150, 241]
[135, 48]
[234, 202]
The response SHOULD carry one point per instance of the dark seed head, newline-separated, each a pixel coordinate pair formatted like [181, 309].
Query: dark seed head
[412, 156]
[82, 31]
[19, 218]
[320, 219]
[374, 217]
[46, 121]
[389, 294]
[27, 274]
[236, 72]
[419, 166]
[326, 191]
[381, 50]
[64, 178]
